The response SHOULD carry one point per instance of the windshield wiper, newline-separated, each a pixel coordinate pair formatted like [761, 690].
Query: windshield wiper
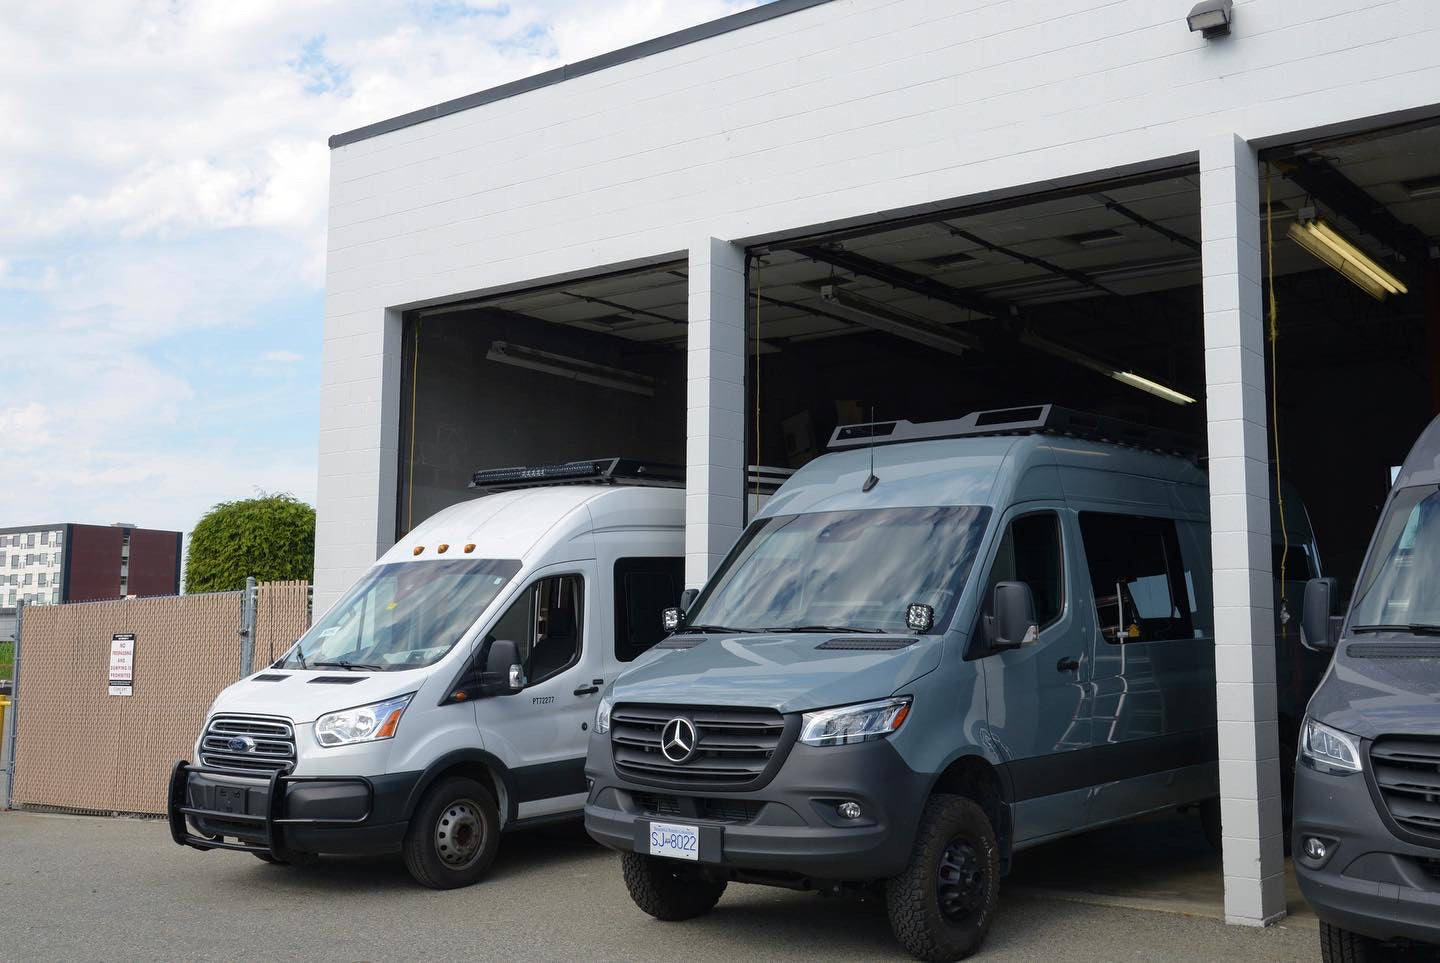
[352, 666]
[827, 628]
[713, 629]
[1417, 628]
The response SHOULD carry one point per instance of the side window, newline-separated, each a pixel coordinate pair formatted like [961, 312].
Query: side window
[644, 587]
[1031, 553]
[545, 623]
[1138, 576]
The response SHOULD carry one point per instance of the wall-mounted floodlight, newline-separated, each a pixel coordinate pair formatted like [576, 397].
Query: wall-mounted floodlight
[1211, 18]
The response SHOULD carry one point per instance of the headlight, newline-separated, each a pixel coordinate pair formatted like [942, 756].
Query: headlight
[379, 720]
[1329, 749]
[602, 716]
[858, 723]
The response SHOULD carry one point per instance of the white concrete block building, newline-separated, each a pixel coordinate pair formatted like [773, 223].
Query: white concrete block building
[714, 247]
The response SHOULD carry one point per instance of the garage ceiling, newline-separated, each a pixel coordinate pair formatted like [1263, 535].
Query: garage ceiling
[1126, 238]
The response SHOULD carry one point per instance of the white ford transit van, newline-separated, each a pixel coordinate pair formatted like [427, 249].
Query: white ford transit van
[446, 697]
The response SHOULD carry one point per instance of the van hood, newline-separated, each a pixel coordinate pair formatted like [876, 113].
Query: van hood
[1382, 687]
[303, 695]
[783, 672]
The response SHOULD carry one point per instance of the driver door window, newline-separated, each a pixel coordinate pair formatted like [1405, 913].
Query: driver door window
[1030, 552]
[545, 622]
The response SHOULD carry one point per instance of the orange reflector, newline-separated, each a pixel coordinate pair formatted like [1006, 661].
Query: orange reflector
[418, 550]
[469, 548]
[442, 548]
[459, 695]
[900, 717]
[388, 727]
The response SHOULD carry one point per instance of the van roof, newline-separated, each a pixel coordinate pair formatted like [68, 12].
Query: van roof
[1422, 465]
[516, 524]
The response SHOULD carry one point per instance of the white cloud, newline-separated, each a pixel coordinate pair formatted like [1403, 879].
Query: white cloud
[163, 173]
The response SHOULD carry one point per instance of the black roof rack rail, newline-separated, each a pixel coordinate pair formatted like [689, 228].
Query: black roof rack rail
[1029, 420]
[589, 471]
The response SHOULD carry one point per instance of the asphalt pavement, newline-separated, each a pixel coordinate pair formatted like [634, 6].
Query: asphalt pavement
[84, 888]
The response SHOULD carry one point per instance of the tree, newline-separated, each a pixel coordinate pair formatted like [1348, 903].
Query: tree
[271, 537]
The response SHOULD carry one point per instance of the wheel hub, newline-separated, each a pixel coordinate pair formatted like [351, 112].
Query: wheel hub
[459, 833]
[961, 884]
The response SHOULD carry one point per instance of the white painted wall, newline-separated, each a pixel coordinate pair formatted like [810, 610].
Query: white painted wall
[843, 110]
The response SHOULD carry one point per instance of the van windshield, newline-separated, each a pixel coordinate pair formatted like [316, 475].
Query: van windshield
[403, 615]
[838, 571]
[1400, 589]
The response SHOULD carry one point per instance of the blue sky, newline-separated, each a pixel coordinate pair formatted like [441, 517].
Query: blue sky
[163, 177]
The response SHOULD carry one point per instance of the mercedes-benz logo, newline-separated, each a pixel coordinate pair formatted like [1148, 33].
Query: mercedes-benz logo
[241, 744]
[678, 739]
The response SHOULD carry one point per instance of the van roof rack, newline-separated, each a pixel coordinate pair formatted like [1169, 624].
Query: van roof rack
[1031, 420]
[590, 471]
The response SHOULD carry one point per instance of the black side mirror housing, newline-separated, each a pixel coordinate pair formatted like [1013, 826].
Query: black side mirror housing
[503, 671]
[1319, 626]
[687, 599]
[1014, 623]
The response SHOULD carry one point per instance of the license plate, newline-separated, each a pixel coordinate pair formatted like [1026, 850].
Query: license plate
[229, 799]
[675, 841]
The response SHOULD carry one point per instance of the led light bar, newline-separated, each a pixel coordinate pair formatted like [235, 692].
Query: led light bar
[1327, 244]
[594, 471]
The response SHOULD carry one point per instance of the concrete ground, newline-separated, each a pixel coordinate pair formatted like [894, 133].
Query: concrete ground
[81, 888]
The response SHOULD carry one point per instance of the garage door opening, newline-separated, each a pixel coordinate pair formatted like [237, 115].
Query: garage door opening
[585, 369]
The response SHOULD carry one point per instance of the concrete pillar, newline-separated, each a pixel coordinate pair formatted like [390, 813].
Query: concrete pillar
[359, 448]
[715, 407]
[1240, 532]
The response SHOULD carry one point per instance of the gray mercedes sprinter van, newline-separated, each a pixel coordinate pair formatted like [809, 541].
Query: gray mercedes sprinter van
[1366, 835]
[936, 645]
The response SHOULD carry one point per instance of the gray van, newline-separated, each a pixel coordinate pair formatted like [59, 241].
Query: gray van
[1367, 783]
[937, 645]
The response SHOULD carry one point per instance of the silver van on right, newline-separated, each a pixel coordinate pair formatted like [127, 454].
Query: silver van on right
[1366, 835]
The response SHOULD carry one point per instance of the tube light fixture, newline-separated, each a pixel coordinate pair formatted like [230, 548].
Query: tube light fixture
[575, 369]
[932, 334]
[1327, 244]
[1211, 18]
[1094, 364]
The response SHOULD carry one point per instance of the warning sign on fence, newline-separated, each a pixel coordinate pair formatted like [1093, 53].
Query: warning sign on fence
[122, 664]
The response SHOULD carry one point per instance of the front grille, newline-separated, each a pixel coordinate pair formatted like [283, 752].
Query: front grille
[273, 749]
[715, 810]
[1407, 772]
[734, 748]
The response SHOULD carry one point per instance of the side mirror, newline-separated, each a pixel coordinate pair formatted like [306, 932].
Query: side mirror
[502, 666]
[1014, 623]
[1319, 627]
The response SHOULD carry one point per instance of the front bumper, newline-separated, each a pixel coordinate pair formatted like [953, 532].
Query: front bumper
[279, 815]
[1371, 881]
[788, 832]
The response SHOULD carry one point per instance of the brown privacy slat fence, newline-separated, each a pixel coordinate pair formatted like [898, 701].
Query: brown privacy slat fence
[79, 747]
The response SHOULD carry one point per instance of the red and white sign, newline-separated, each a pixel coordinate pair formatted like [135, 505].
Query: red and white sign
[122, 664]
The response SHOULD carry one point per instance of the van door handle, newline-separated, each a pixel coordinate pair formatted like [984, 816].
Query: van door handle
[587, 690]
[1068, 664]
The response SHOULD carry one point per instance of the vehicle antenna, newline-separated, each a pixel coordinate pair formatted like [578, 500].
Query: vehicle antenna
[872, 481]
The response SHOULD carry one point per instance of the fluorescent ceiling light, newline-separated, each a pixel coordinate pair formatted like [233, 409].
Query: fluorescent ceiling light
[1211, 18]
[1323, 241]
[1425, 187]
[575, 369]
[932, 334]
[1094, 364]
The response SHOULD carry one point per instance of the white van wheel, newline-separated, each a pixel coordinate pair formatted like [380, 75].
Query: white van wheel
[453, 835]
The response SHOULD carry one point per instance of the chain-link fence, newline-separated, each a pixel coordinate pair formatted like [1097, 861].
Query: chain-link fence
[76, 746]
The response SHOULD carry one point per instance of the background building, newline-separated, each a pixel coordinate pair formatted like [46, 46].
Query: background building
[717, 245]
[50, 564]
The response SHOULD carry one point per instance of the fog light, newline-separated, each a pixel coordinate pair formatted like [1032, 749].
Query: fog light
[850, 810]
[1315, 848]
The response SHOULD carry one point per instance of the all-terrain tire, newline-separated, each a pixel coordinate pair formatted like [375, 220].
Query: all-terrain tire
[1342, 946]
[667, 889]
[942, 904]
[453, 835]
